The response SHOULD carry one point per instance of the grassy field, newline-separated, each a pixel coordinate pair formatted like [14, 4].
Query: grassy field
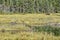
[21, 27]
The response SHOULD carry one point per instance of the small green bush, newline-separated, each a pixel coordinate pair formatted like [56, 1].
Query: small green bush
[48, 29]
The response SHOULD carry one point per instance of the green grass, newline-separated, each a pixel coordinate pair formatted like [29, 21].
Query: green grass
[29, 23]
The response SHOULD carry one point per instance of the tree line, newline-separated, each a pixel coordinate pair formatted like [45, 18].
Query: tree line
[30, 6]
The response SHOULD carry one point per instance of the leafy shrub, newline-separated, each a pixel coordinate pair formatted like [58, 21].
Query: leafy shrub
[48, 29]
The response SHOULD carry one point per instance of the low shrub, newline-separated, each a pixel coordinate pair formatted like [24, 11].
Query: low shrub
[48, 29]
